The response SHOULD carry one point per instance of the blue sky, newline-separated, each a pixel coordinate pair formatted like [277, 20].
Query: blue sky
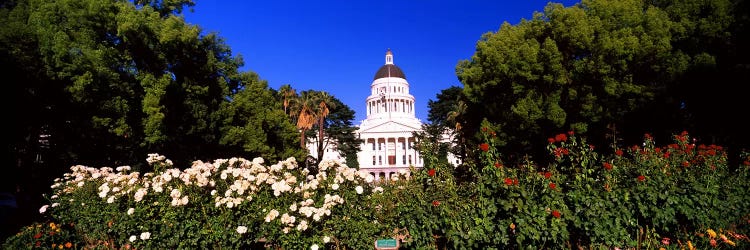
[337, 46]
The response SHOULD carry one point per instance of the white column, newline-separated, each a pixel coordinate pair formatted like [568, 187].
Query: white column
[395, 148]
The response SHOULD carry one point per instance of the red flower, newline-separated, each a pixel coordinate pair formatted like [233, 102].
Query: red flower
[565, 151]
[666, 155]
[435, 203]
[571, 133]
[508, 181]
[552, 185]
[746, 162]
[38, 235]
[647, 136]
[561, 137]
[431, 172]
[558, 152]
[607, 166]
[547, 175]
[498, 165]
[686, 164]
[618, 152]
[641, 178]
[515, 181]
[551, 140]
[484, 129]
[484, 147]
[556, 213]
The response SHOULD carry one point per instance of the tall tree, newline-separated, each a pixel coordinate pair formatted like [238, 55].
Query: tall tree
[338, 129]
[256, 125]
[106, 82]
[287, 94]
[447, 114]
[304, 114]
[576, 68]
[325, 102]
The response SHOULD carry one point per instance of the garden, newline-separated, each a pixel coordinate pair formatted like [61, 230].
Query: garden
[648, 196]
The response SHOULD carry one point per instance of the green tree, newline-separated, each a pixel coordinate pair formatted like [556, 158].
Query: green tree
[339, 129]
[577, 68]
[256, 124]
[106, 82]
[447, 114]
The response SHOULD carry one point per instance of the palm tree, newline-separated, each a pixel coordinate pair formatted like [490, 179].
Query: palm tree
[288, 93]
[455, 116]
[305, 114]
[325, 103]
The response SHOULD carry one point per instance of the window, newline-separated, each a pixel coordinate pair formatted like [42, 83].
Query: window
[373, 160]
[403, 159]
[373, 148]
[380, 160]
[410, 159]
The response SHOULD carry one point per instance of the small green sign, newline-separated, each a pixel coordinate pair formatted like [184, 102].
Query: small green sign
[386, 244]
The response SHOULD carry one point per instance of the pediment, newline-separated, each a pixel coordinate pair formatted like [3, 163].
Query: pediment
[390, 126]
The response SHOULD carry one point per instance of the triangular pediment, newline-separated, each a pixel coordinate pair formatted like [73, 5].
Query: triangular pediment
[390, 126]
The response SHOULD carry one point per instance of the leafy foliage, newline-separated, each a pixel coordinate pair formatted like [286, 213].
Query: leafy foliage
[600, 64]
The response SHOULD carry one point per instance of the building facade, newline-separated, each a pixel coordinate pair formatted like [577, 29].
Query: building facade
[387, 132]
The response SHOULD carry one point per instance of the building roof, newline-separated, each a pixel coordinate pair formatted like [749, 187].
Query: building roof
[389, 70]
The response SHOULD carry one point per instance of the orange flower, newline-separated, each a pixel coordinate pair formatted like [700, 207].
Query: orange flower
[68, 245]
[498, 165]
[435, 203]
[484, 147]
[508, 181]
[552, 185]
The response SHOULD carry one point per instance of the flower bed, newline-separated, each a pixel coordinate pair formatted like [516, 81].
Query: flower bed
[678, 196]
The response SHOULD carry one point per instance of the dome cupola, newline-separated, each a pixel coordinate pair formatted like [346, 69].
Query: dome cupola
[389, 69]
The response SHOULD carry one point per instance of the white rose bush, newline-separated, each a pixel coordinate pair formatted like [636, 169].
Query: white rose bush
[228, 203]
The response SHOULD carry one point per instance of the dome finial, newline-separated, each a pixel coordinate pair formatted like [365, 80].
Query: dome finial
[389, 57]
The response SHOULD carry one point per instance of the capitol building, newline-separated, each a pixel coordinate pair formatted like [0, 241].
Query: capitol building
[387, 132]
[388, 143]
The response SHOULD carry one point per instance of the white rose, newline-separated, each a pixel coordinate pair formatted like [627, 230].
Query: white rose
[359, 189]
[335, 186]
[43, 209]
[132, 238]
[241, 229]
[314, 247]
